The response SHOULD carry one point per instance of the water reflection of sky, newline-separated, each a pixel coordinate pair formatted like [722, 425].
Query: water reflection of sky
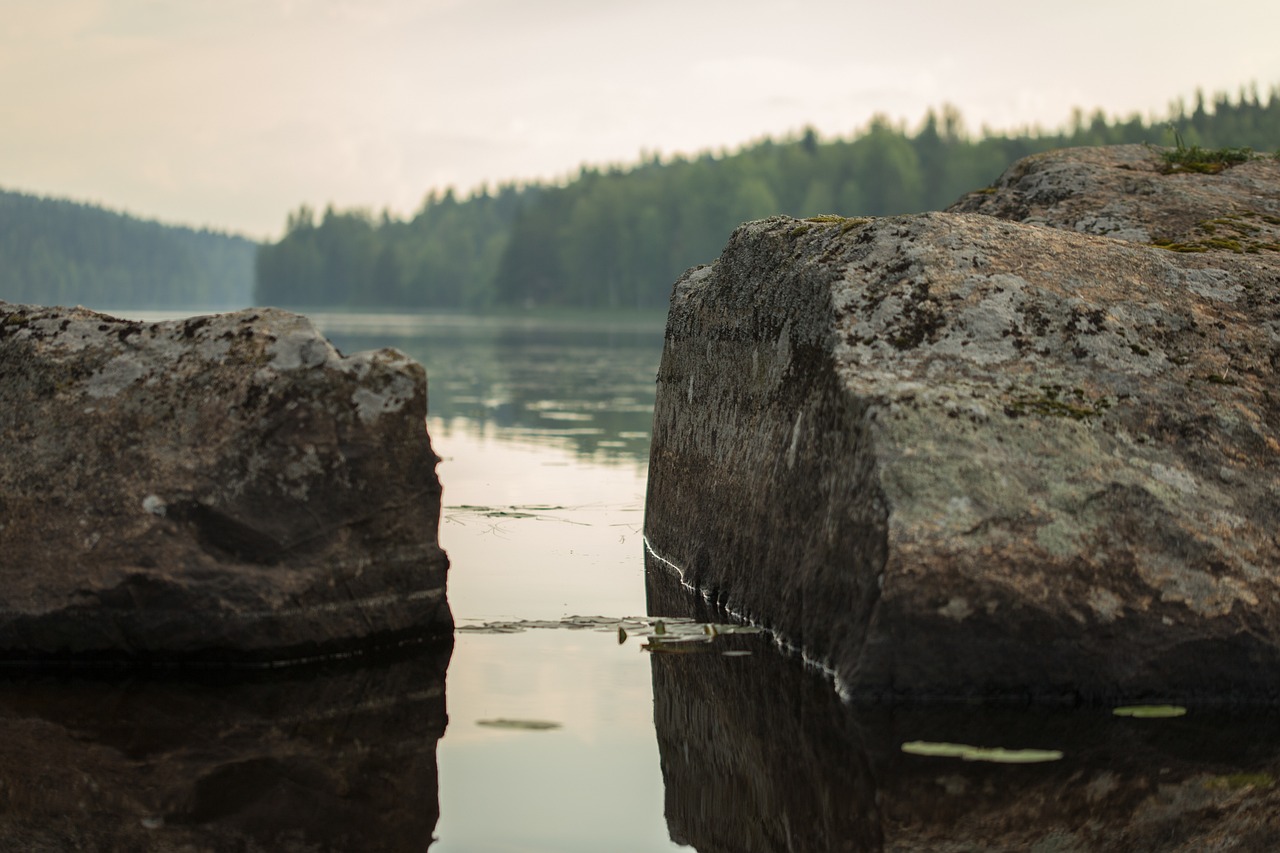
[539, 532]
[543, 433]
[535, 530]
[593, 784]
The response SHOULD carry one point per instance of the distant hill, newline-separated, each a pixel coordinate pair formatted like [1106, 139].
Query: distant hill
[618, 237]
[57, 252]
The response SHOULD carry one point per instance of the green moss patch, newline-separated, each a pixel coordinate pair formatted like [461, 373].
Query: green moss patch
[1057, 401]
[1237, 781]
[1247, 232]
[1206, 161]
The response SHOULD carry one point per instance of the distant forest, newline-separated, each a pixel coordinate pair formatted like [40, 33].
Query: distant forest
[613, 237]
[618, 237]
[55, 252]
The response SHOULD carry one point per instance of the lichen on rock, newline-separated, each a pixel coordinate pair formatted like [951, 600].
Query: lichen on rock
[226, 488]
[911, 412]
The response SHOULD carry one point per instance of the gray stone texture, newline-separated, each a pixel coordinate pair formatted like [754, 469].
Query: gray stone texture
[949, 455]
[224, 488]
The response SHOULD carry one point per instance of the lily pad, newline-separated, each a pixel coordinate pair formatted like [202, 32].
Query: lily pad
[1236, 781]
[1150, 712]
[995, 755]
[936, 750]
[998, 755]
[521, 725]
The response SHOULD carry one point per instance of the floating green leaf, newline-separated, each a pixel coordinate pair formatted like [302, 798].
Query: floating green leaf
[522, 725]
[995, 755]
[939, 750]
[999, 755]
[1236, 781]
[1145, 712]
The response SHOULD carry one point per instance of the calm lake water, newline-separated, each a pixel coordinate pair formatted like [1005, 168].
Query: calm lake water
[543, 432]
[562, 734]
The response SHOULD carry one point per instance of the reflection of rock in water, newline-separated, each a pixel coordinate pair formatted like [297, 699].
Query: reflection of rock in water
[332, 760]
[742, 771]
[759, 754]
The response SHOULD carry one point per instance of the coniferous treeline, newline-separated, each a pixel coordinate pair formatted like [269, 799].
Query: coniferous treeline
[56, 252]
[445, 257]
[618, 237]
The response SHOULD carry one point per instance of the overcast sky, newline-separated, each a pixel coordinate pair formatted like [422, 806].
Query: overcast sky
[230, 113]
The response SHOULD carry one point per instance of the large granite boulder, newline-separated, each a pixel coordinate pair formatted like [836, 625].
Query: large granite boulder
[222, 488]
[949, 455]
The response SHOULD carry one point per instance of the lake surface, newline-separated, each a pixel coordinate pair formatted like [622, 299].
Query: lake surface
[543, 429]
[548, 729]
[543, 432]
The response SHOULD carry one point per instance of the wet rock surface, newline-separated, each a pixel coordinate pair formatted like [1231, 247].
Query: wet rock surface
[315, 759]
[219, 489]
[950, 455]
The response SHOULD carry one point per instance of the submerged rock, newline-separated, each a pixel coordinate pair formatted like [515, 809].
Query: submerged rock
[948, 455]
[222, 488]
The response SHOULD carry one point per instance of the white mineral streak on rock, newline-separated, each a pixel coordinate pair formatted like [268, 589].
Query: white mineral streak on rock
[115, 376]
[297, 345]
[374, 404]
[795, 441]
[1213, 284]
[1175, 477]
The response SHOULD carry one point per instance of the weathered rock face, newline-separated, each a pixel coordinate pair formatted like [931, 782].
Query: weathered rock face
[224, 488]
[949, 455]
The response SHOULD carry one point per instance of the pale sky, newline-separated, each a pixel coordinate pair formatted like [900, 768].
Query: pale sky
[230, 113]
